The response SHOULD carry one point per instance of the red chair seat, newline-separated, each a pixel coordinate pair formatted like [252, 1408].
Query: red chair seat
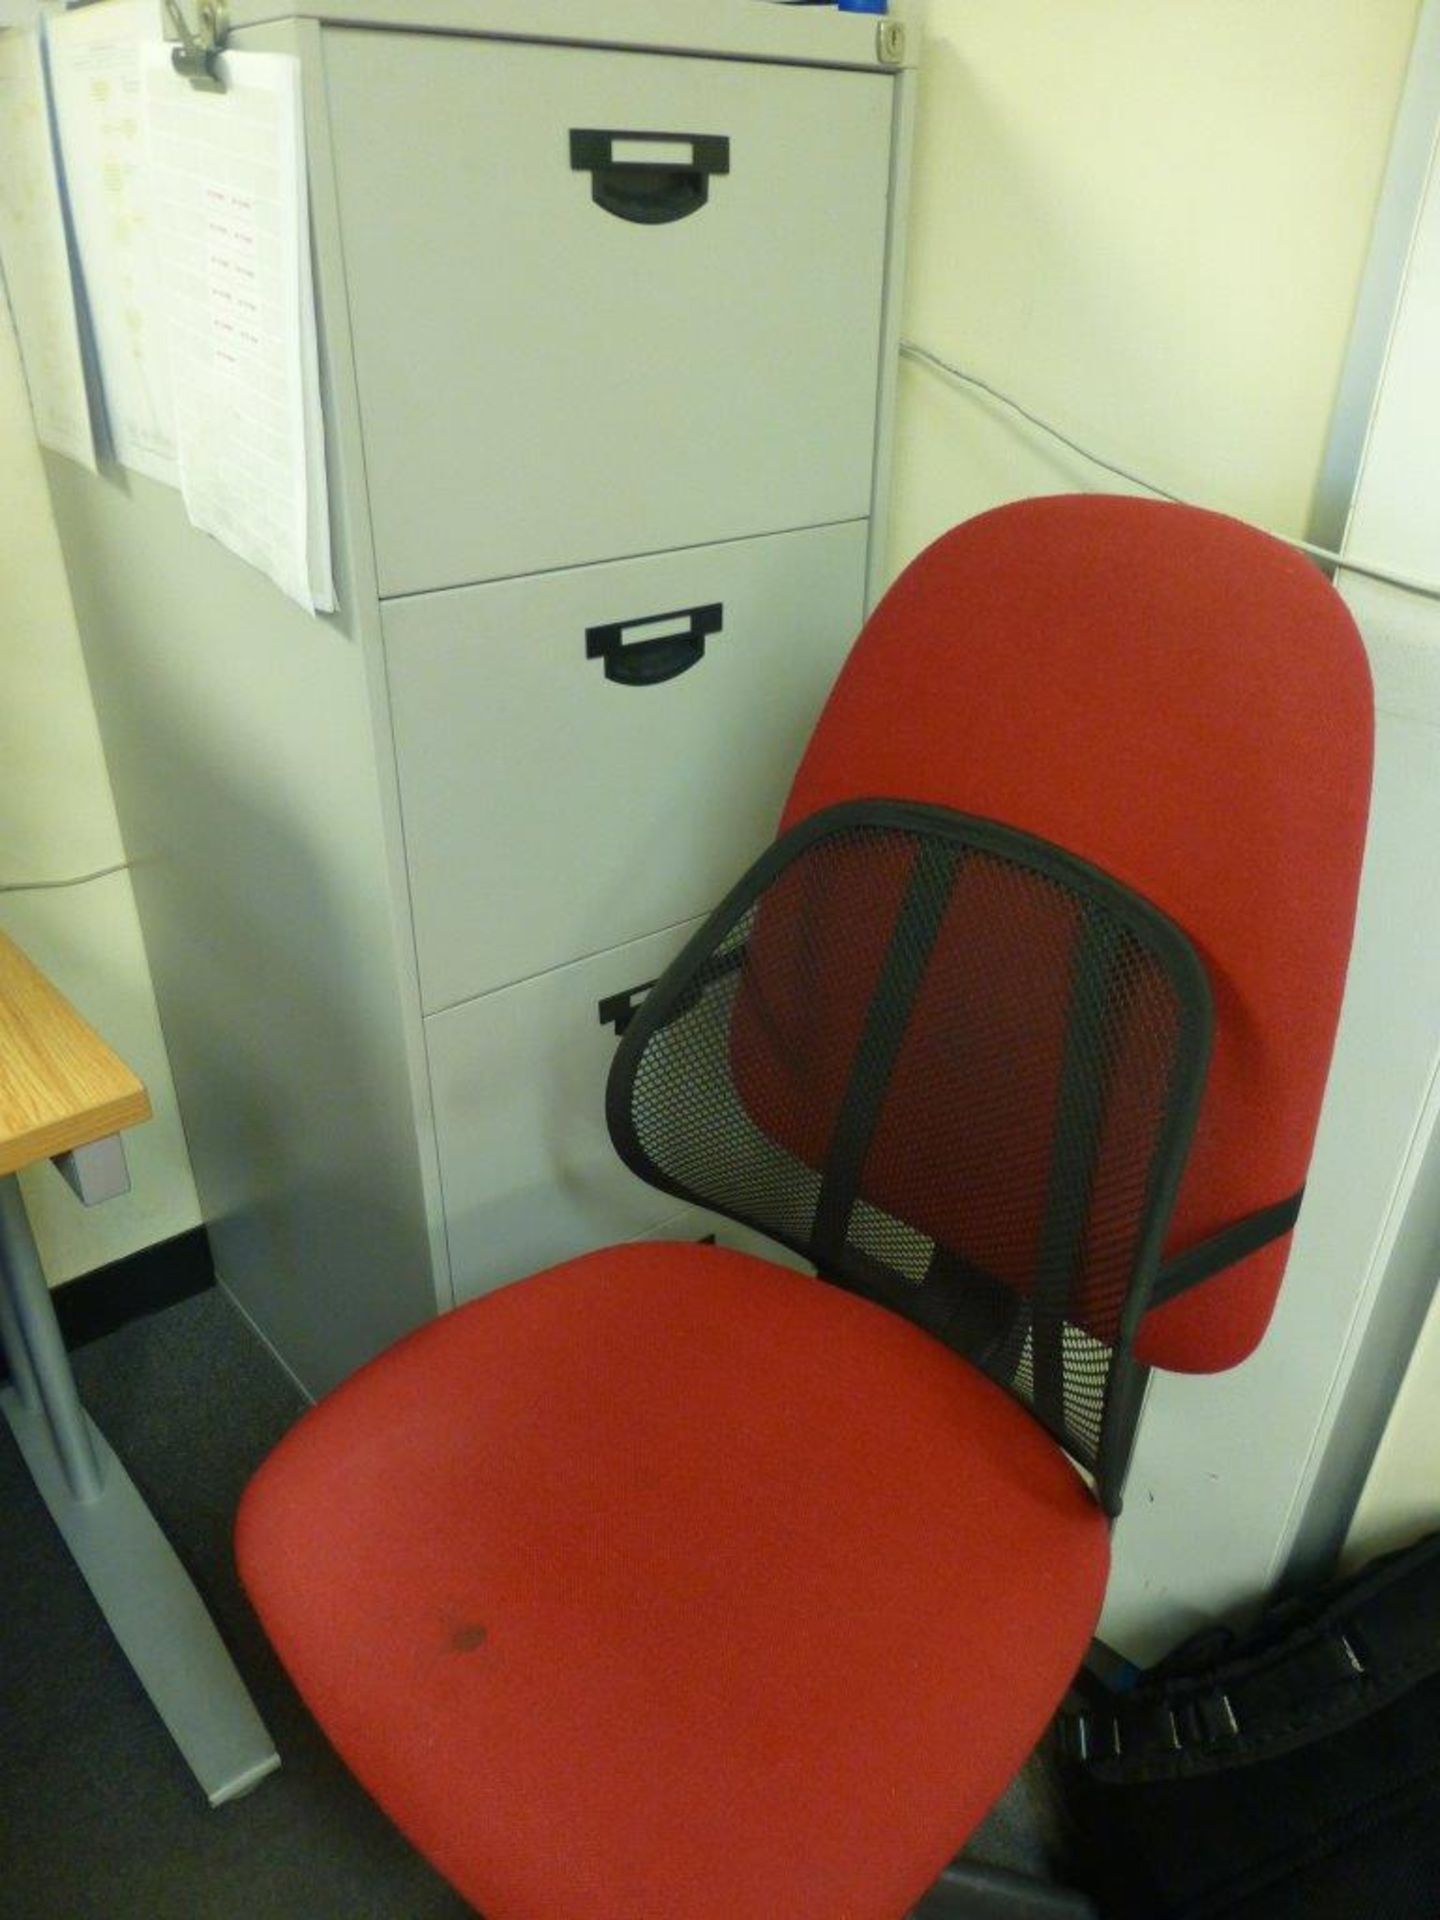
[669, 1583]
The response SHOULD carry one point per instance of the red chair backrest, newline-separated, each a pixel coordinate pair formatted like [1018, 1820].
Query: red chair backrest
[1185, 703]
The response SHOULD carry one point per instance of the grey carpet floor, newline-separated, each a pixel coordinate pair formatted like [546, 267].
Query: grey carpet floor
[99, 1818]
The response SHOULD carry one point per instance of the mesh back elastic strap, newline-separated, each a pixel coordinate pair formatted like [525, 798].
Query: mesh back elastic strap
[917, 926]
[1084, 1089]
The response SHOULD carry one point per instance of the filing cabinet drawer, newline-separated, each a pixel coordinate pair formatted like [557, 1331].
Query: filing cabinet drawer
[590, 755]
[517, 1078]
[604, 303]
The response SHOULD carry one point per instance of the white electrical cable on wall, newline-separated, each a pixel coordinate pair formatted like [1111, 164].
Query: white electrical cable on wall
[73, 880]
[911, 350]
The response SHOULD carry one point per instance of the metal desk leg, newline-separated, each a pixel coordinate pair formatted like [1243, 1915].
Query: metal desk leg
[972, 1890]
[142, 1590]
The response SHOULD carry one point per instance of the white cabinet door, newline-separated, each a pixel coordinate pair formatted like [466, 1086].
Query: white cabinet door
[1226, 1466]
[559, 798]
[548, 373]
[1241, 1480]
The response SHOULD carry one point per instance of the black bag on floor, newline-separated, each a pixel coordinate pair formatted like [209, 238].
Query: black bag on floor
[1289, 1773]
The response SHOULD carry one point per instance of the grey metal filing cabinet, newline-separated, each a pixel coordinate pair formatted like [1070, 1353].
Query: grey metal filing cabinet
[607, 312]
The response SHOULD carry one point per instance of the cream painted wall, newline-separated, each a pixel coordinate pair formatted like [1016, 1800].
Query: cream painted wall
[1146, 222]
[57, 819]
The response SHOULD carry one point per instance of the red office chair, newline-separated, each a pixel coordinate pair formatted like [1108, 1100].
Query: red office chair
[671, 1584]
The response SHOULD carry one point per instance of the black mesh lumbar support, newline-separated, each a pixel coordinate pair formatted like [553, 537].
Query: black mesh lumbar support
[954, 1067]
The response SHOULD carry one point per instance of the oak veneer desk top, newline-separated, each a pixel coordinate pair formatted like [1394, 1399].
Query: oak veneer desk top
[61, 1087]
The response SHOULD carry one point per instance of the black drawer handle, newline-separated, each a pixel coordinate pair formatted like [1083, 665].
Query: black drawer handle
[639, 662]
[648, 177]
[617, 1010]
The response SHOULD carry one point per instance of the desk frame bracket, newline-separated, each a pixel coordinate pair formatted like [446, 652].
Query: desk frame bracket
[147, 1598]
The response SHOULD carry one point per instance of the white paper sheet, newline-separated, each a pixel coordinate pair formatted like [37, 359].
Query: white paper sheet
[232, 224]
[95, 81]
[34, 255]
